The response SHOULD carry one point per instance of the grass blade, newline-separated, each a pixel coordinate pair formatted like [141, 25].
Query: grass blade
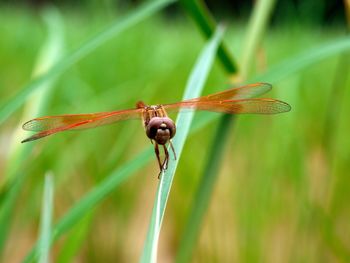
[202, 197]
[46, 219]
[118, 27]
[193, 89]
[256, 29]
[205, 21]
[94, 197]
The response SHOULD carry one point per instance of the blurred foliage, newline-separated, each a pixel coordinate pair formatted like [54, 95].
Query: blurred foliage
[321, 12]
[282, 193]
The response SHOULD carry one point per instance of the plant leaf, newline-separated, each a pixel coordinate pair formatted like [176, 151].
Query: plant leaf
[206, 23]
[94, 197]
[193, 89]
[46, 219]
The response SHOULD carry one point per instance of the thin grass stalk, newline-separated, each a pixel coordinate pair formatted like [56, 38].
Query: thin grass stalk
[135, 16]
[199, 12]
[46, 220]
[256, 28]
[86, 204]
[210, 172]
[15, 174]
[194, 87]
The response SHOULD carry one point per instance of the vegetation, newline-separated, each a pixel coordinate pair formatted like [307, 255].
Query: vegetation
[280, 190]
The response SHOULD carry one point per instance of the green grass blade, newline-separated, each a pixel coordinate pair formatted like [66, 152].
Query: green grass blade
[134, 17]
[101, 191]
[257, 26]
[94, 197]
[194, 87]
[206, 23]
[46, 219]
[207, 182]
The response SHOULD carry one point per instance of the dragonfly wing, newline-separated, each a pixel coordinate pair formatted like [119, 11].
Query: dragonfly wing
[244, 92]
[52, 124]
[255, 106]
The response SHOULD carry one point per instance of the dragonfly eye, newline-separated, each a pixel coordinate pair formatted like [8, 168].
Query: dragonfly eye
[161, 129]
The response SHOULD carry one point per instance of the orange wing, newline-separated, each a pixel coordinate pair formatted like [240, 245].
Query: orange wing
[52, 124]
[234, 101]
[255, 106]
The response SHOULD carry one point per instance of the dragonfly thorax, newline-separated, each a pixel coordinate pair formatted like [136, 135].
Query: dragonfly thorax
[161, 129]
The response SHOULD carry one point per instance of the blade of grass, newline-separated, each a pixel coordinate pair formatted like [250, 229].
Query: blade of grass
[94, 197]
[46, 219]
[201, 201]
[135, 16]
[205, 21]
[194, 87]
[256, 29]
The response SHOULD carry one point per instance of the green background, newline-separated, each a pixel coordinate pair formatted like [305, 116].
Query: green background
[282, 191]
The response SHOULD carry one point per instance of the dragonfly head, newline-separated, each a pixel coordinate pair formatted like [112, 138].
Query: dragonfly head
[161, 129]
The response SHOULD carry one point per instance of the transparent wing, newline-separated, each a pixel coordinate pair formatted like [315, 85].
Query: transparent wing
[255, 106]
[52, 124]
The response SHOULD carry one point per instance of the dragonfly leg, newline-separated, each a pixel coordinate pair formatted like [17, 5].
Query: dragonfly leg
[166, 159]
[156, 150]
[172, 148]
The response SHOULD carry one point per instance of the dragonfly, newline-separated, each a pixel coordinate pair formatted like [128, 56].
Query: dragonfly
[159, 128]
